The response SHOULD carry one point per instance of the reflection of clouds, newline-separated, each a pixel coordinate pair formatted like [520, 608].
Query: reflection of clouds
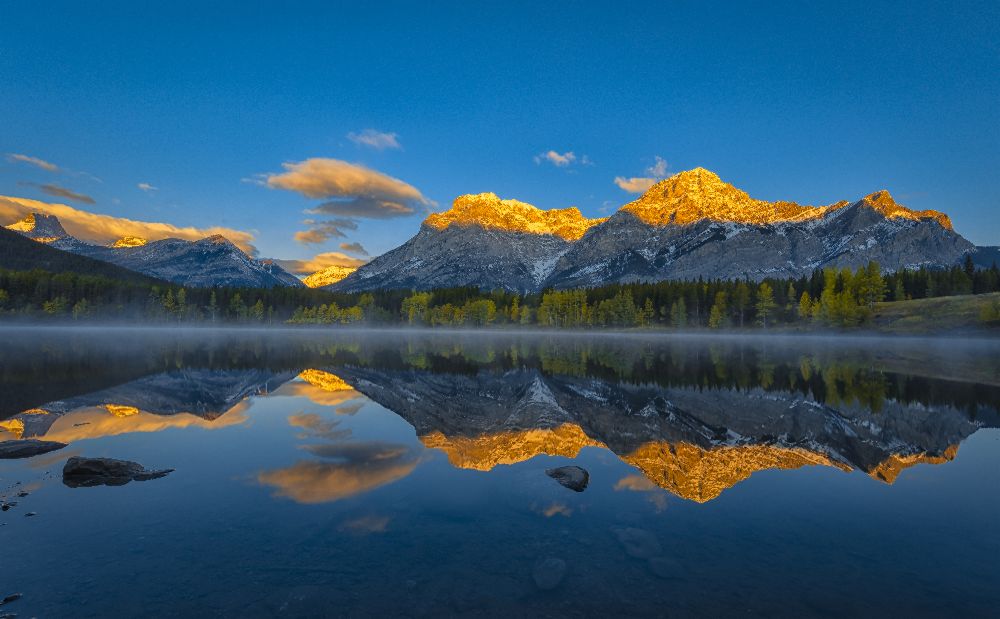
[348, 469]
[317, 427]
[638, 483]
[366, 524]
[98, 421]
[557, 509]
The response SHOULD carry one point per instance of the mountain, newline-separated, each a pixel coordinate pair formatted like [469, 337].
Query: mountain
[212, 261]
[18, 253]
[329, 275]
[690, 225]
[481, 241]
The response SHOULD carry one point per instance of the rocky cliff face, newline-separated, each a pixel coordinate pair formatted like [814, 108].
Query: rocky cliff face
[688, 226]
[212, 261]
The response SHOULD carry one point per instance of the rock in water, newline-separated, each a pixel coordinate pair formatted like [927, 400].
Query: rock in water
[573, 477]
[86, 472]
[26, 448]
[549, 572]
[638, 543]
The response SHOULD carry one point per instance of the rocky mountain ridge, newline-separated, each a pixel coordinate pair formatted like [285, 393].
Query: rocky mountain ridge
[212, 261]
[687, 226]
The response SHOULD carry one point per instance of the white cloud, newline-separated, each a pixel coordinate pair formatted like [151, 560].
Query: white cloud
[35, 161]
[147, 187]
[103, 229]
[378, 140]
[639, 184]
[560, 160]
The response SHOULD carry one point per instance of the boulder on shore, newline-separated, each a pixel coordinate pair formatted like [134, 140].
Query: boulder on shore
[86, 472]
[26, 448]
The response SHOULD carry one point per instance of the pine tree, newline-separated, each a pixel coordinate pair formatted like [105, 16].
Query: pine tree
[765, 303]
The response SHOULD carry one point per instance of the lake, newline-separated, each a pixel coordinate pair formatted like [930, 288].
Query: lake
[365, 473]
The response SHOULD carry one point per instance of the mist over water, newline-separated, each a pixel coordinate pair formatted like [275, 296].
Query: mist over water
[403, 473]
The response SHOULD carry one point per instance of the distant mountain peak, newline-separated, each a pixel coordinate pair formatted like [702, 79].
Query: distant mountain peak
[699, 194]
[489, 211]
[129, 241]
[329, 275]
[883, 202]
[40, 227]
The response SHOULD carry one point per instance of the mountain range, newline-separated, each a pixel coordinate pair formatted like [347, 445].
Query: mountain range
[212, 261]
[690, 225]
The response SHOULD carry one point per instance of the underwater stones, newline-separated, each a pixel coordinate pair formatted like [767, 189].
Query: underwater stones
[638, 543]
[86, 472]
[549, 572]
[572, 477]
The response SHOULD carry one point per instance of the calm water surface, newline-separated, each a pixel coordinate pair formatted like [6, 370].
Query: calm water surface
[404, 474]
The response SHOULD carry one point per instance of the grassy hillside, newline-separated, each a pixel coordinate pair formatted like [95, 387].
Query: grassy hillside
[19, 253]
[938, 315]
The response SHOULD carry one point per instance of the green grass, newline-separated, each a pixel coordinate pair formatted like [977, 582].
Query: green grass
[937, 315]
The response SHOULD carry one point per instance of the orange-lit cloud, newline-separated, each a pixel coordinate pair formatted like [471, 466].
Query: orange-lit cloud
[320, 262]
[35, 161]
[378, 140]
[352, 190]
[316, 426]
[639, 184]
[105, 229]
[638, 483]
[61, 192]
[96, 422]
[350, 469]
[321, 231]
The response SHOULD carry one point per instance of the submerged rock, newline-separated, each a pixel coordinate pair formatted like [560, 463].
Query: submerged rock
[86, 472]
[13, 597]
[666, 567]
[572, 477]
[638, 543]
[549, 572]
[26, 448]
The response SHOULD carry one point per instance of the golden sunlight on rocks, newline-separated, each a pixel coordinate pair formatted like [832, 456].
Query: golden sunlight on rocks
[482, 453]
[329, 275]
[129, 241]
[700, 194]
[701, 475]
[490, 212]
[13, 426]
[890, 469]
[119, 410]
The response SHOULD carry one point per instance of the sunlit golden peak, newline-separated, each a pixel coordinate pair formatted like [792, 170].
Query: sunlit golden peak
[882, 202]
[324, 380]
[129, 241]
[699, 194]
[489, 211]
[482, 453]
[43, 228]
[329, 275]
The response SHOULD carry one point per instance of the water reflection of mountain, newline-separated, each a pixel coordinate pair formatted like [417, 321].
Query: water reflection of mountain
[692, 441]
[189, 395]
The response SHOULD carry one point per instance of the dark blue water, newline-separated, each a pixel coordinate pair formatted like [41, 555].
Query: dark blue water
[404, 474]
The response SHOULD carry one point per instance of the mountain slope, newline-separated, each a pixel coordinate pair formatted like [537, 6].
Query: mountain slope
[18, 253]
[212, 261]
[687, 226]
[481, 241]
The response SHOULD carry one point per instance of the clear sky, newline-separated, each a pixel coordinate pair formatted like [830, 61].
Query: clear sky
[205, 103]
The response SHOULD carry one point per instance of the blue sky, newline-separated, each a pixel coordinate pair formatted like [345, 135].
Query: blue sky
[798, 101]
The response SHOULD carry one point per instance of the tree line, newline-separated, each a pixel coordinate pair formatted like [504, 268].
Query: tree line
[829, 297]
